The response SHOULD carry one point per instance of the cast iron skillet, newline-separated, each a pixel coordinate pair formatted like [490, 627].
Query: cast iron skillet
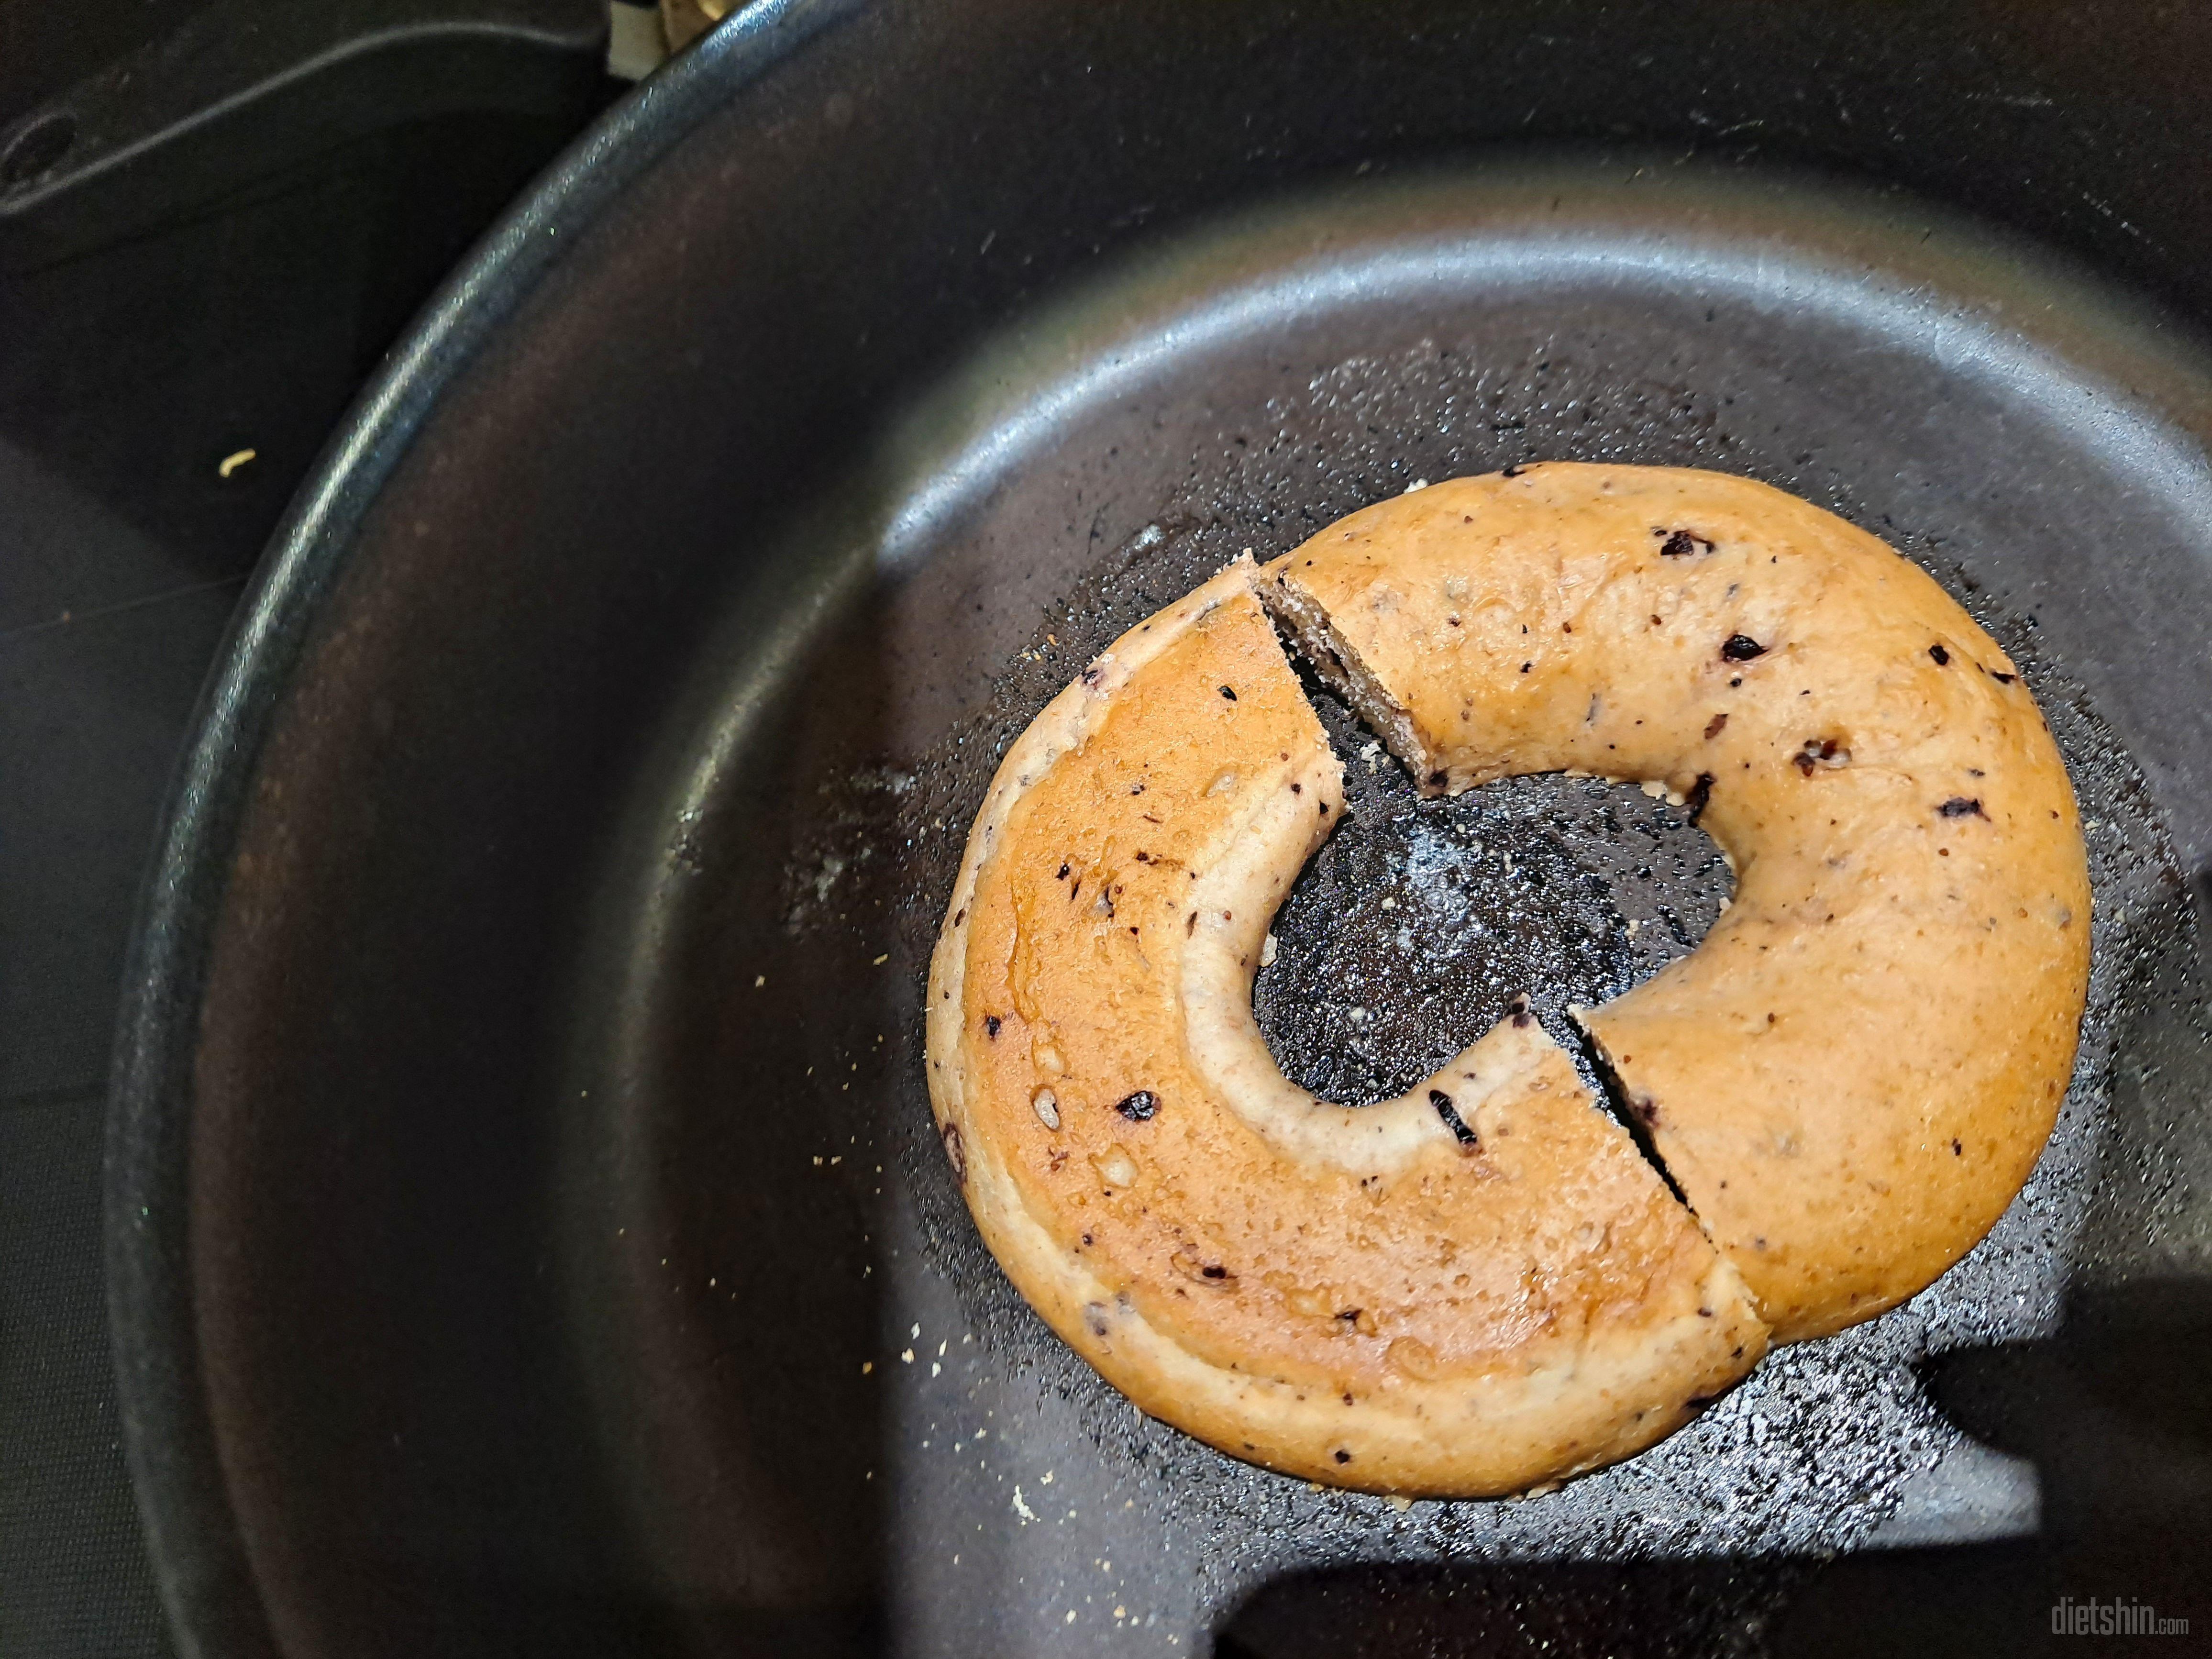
[524, 1230]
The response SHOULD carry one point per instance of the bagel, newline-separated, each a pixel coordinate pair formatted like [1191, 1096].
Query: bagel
[1483, 1287]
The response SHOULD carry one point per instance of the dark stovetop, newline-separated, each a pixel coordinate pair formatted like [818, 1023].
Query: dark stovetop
[127, 374]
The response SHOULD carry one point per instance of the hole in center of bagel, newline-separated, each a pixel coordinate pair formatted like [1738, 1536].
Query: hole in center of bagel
[1412, 930]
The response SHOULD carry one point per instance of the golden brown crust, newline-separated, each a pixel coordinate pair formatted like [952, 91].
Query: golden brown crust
[1853, 1074]
[1350, 1296]
[1848, 1079]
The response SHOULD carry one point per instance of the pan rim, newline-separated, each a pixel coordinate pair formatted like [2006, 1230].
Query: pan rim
[201, 1570]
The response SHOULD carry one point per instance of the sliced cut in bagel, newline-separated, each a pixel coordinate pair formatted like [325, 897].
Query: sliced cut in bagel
[1475, 1289]
[1853, 1074]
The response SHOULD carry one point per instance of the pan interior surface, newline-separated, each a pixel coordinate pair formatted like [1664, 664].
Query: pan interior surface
[811, 1388]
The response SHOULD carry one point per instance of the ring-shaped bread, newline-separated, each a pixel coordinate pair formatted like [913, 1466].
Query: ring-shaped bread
[1482, 1286]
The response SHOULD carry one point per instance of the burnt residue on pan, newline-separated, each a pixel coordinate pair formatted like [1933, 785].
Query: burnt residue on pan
[1015, 1488]
[1407, 936]
[1421, 922]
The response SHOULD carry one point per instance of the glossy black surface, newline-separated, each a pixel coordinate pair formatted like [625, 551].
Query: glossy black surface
[233, 95]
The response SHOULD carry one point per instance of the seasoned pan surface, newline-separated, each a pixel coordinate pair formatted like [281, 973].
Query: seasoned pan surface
[785, 870]
[527, 1225]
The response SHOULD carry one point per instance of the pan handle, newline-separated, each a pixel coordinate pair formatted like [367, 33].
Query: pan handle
[243, 90]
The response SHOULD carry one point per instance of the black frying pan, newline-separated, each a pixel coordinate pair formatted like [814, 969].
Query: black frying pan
[522, 1206]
